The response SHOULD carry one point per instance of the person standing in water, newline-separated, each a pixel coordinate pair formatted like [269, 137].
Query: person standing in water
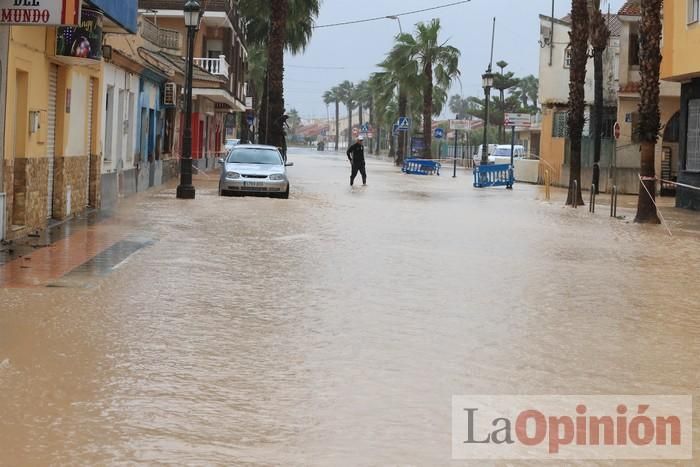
[356, 156]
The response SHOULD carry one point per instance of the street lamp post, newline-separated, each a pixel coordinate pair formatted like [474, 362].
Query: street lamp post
[185, 190]
[394, 17]
[487, 82]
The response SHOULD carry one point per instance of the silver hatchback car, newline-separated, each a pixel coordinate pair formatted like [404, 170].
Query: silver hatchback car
[254, 169]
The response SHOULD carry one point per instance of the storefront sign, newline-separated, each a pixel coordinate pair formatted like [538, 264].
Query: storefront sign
[84, 41]
[40, 12]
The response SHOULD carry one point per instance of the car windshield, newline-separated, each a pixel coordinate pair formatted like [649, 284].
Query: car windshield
[254, 156]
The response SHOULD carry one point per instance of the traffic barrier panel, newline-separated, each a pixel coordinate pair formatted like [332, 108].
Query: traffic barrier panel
[421, 167]
[493, 175]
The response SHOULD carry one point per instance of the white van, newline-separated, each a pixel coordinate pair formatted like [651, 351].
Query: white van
[502, 154]
[477, 156]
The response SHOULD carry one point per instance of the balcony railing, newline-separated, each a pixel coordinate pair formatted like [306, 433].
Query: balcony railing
[165, 38]
[215, 66]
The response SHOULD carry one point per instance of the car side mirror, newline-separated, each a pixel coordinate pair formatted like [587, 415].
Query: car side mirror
[289, 164]
[220, 162]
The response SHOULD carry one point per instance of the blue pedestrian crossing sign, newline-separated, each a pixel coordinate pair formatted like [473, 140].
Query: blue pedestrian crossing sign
[404, 123]
[365, 128]
[439, 133]
[395, 129]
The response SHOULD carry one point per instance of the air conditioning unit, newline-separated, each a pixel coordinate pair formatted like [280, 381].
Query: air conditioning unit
[545, 35]
[170, 94]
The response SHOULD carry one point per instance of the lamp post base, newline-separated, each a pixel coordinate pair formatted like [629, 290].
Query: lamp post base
[185, 192]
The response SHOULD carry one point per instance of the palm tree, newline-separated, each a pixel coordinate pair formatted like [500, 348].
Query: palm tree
[383, 98]
[277, 25]
[333, 96]
[600, 34]
[438, 64]
[347, 95]
[275, 70]
[528, 88]
[255, 75]
[399, 76]
[362, 97]
[650, 29]
[577, 80]
[503, 81]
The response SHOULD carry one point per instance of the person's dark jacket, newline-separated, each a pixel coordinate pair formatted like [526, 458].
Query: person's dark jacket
[356, 154]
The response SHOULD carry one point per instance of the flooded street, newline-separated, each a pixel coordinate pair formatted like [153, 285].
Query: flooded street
[334, 328]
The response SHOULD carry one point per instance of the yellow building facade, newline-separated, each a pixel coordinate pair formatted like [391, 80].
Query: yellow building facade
[51, 166]
[681, 64]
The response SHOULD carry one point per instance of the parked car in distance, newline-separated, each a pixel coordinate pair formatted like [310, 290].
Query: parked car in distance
[254, 169]
[231, 143]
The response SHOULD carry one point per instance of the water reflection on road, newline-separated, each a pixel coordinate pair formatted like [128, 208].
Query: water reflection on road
[333, 328]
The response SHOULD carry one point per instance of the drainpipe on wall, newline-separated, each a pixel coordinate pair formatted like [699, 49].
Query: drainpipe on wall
[4, 47]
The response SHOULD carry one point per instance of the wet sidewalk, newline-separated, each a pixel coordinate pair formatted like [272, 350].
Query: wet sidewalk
[70, 252]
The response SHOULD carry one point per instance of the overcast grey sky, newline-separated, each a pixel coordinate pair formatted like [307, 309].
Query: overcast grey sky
[358, 48]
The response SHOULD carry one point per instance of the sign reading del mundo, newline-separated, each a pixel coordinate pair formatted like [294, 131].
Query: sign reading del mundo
[40, 12]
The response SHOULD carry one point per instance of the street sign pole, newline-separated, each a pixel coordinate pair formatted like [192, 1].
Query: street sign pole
[454, 162]
[512, 150]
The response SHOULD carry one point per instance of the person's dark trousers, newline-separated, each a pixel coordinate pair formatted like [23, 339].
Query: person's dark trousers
[358, 168]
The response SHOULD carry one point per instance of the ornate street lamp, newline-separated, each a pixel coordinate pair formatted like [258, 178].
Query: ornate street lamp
[487, 83]
[185, 190]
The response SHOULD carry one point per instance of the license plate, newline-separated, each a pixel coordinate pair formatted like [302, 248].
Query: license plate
[253, 184]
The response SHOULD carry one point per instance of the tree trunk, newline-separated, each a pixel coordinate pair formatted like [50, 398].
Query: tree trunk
[337, 123]
[371, 122]
[392, 146]
[278, 34]
[600, 35]
[646, 209]
[577, 80]
[649, 117]
[428, 109]
[263, 117]
[403, 106]
[360, 116]
[597, 116]
[350, 141]
[501, 130]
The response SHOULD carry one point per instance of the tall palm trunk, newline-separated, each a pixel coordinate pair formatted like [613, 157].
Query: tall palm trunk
[577, 80]
[371, 122]
[649, 117]
[263, 117]
[392, 146]
[278, 33]
[337, 123]
[403, 108]
[599, 40]
[428, 109]
[349, 104]
[361, 117]
[501, 129]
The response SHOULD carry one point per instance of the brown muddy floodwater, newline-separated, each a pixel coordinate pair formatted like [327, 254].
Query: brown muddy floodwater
[335, 327]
